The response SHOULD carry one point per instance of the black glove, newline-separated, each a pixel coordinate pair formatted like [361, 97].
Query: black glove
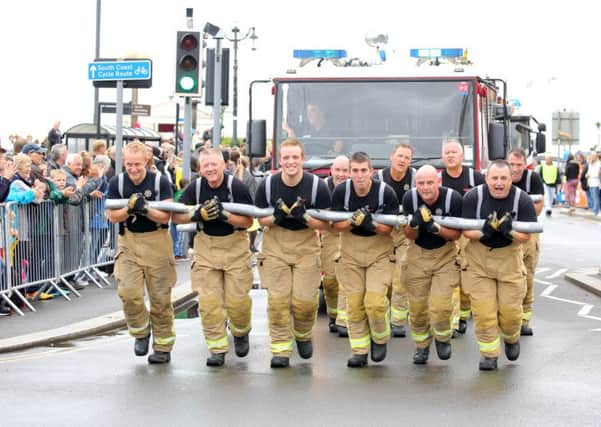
[205, 212]
[421, 218]
[504, 225]
[298, 210]
[490, 225]
[137, 204]
[280, 211]
[222, 214]
[432, 227]
[363, 218]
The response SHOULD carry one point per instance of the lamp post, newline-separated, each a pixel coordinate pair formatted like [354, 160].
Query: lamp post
[250, 34]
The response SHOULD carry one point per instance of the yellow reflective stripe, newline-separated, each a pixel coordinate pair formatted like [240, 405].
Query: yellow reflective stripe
[217, 344]
[465, 314]
[342, 315]
[239, 331]
[445, 333]
[489, 347]
[281, 347]
[386, 333]
[512, 337]
[398, 314]
[421, 337]
[135, 331]
[164, 341]
[332, 311]
[527, 315]
[301, 335]
[362, 342]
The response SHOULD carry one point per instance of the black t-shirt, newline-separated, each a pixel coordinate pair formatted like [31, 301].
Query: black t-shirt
[426, 239]
[240, 194]
[303, 189]
[536, 183]
[390, 205]
[572, 170]
[399, 187]
[461, 184]
[525, 212]
[140, 223]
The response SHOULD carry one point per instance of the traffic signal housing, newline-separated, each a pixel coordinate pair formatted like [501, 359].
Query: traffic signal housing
[188, 63]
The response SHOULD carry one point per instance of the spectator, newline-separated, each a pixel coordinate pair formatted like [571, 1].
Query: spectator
[23, 189]
[7, 171]
[73, 167]
[86, 162]
[592, 176]
[572, 172]
[57, 157]
[583, 180]
[38, 165]
[110, 172]
[99, 147]
[55, 135]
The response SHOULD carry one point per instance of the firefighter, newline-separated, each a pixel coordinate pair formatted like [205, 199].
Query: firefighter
[401, 177]
[144, 254]
[461, 179]
[366, 261]
[221, 273]
[289, 264]
[330, 247]
[531, 183]
[430, 268]
[495, 276]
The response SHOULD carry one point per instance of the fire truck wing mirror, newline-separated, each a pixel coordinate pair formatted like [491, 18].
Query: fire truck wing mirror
[256, 138]
[541, 142]
[496, 141]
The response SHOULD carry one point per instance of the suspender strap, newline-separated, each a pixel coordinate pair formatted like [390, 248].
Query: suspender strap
[314, 190]
[528, 181]
[516, 202]
[381, 175]
[157, 187]
[471, 178]
[447, 201]
[120, 184]
[347, 194]
[230, 180]
[198, 182]
[268, 190]
[479, 202]
[414, 199]
[381, 195]
[413, 172]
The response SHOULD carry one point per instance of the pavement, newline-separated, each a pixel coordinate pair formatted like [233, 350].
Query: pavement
[58, 321]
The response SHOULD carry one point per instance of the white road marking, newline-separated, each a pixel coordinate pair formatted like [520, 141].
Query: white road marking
[557, 273]
[543, 282]
[541, 270]
[583, 312]
[548, 290]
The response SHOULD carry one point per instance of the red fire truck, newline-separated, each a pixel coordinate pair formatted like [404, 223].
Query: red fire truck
[343, 105]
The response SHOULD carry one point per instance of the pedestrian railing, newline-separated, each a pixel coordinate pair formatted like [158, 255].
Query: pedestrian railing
[43, 244]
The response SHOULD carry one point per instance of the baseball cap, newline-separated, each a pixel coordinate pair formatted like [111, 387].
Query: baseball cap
[33, 148]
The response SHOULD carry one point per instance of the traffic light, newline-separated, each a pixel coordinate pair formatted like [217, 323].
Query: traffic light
[188, 63]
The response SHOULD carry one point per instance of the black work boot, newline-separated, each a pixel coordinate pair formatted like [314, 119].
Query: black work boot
[526, 330]
[357, 361]
[420, 357]
[159, 357]
[398, 331]
[462, 328]
[512, 351]
[241, 345]
[216, 359]
[378, 352]
[305, 349]
[488, 364]
[443, 349]
[342, 331]
[280, 362]
[141, 346]
[332, 325]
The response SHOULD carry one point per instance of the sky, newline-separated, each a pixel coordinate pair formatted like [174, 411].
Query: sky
[547, 52]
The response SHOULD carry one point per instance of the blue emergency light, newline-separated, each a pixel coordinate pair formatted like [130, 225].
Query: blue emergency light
[437, 53]
[319, 53]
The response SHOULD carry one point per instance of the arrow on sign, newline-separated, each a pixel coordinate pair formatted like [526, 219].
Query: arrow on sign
[93, 70]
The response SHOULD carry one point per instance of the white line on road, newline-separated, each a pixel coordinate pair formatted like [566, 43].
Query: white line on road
[543, 282]
[585, 310]
[557, 273]
[548, 290]
[541, 270]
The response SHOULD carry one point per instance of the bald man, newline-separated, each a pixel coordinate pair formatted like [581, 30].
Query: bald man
[429, 268]
[330, 250]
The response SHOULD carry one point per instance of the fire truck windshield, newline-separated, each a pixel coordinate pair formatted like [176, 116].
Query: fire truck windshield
[333, 117]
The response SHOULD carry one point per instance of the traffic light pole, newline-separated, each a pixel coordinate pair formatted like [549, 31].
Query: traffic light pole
[119, 128]
[187, 137]
[217, 94]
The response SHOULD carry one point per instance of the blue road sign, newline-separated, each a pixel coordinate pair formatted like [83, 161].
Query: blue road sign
[120, 70]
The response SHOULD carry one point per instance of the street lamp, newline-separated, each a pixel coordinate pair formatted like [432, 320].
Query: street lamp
[250, 34]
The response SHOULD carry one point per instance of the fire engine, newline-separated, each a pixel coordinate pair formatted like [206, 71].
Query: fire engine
[341, 105]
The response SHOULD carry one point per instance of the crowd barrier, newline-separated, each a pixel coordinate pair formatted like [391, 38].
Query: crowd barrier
[44, 244]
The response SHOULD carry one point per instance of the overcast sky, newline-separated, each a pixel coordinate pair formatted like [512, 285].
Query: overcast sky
[548, 52]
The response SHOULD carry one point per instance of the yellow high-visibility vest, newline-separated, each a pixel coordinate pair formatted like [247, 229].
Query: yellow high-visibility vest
[549, 173]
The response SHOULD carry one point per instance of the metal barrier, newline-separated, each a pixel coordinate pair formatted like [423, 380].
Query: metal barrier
[43, 244]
